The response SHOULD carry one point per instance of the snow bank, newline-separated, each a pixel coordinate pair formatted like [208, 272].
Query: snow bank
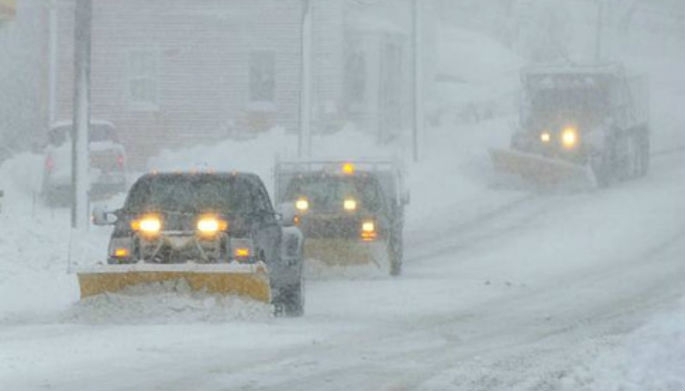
[167, 302]
[260, 154]
[651, 357]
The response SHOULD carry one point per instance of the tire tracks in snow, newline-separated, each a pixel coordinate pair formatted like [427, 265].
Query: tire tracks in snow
[495, 336]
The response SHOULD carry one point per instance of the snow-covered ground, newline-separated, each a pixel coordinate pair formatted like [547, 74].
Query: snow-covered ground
[502, 288]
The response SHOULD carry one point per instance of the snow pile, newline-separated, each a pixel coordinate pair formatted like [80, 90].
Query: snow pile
[477, 78]
[20, 178]
[162, 303]
[651, 357]
[318, 270]
[260, 154]
[478, 60]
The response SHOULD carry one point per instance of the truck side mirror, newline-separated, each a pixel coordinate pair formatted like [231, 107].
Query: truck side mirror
[288, 214]
[102, 217]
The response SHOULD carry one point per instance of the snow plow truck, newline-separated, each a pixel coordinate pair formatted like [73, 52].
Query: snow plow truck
[350, 212]
[579, 124]
[217, 231]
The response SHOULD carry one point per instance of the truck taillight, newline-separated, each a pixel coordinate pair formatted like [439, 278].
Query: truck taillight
[120, 161]
[49, 163]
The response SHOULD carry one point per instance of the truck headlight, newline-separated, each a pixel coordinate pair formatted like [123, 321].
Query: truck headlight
[302, 204]
[545, 137]
[210, 225]
[148, 225]
[368, 230]
[350, 204]
[569, 137]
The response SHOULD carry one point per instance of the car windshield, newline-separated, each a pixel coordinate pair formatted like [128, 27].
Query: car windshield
[329, 192]
[189, 194]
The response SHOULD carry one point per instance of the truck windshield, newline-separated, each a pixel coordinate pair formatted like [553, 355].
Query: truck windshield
[329, 192]
[187, 193]
[585, 105]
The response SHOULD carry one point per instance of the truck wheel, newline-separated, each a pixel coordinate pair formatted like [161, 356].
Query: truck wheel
[644, 152]
[289, 300]
[395, 254]
[631, 167]
[601, 167]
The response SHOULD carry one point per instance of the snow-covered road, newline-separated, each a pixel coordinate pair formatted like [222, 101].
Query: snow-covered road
[506, 290]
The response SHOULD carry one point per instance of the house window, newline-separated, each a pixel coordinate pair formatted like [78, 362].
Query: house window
[143, 78]
[262, 76]
[355, 77]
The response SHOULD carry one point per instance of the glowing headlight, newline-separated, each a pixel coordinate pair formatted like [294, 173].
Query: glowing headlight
[302, 204]
[350, 204]
[368, 232]
[210, 225]
[569, 137]
[545, 137]
[368, 226]
[148, 225]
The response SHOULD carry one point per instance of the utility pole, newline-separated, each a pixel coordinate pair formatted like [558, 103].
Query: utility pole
[598, 32]
[417, 109]
[81, 118]
[52, 64]
[304, 134]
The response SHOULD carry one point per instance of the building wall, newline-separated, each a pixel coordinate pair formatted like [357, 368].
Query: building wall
[200, 55]
[380, 33]
[327, 64]
[23, 78]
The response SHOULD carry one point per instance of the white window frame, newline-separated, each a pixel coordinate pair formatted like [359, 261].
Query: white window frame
[142, 73]
[251, 93]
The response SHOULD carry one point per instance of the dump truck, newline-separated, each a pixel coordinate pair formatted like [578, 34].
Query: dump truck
[217, 231]
[350, 212]
[583, 124]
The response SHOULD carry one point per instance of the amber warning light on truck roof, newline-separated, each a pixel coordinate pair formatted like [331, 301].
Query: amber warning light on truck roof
[348, 168]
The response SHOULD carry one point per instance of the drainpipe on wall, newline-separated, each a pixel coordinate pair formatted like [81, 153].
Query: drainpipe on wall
[417, 112]
[81, 118]
[52, 64]
[304, 135]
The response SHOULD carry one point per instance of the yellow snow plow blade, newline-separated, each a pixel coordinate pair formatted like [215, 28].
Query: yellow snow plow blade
[539, 169]
[335, 251]
[228, 279]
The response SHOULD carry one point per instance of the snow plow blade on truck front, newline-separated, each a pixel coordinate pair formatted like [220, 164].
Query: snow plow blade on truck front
[250, 280]
[540, 170]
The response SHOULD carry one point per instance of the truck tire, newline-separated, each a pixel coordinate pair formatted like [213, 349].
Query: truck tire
[633, 160]
[289, 300]
[602, 167]
[644, 152]
[395, 253]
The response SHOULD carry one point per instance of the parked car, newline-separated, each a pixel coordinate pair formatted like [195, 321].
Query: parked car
[106, 169]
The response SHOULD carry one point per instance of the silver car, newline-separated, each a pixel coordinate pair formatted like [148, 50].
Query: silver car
[107, 162]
